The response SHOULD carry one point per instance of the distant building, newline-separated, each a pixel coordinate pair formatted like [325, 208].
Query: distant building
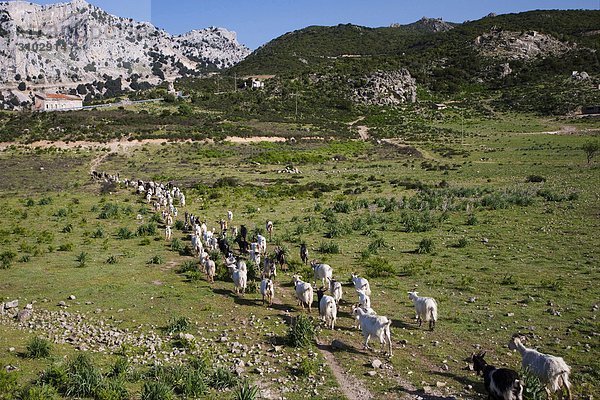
[439, 106]
[56, 102]
[257, 84]
[256, 81]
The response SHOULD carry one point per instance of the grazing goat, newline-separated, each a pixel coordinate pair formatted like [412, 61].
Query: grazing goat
[230, 215]
[210, 268]
[324, 272]
[267, 290]
[327, 309]
[168, 233]
[369, 311]
[425, 308]
[269, 269]
[262, 244]
[304, 292]
[553, 372]
[500, 383]
[270, 229]
[335, 288]
[304, 253]
[374, 325]
[361, 284]
[280, 257]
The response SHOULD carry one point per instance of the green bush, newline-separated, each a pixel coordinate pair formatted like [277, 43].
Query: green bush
[83, 378]
[81, 259]
[301, 332]
[124, 233]
[472, 220]
[379, 267]
[175, 325]
[156, 391]
[307, 367]
[8, 383]
[177, 245]
[6, 259]
[426, 246]
[112, 260]
[98, 233]
[533, 387]
[245, 391]
[65, 247]
[222, 378]
[43, 392]
[112, 389]
[38, 347]
[110, 211]
[156, 260]
[148, 229]
[55, 375]
[329, 248]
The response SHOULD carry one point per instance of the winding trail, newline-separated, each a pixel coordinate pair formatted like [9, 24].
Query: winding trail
[351, 386]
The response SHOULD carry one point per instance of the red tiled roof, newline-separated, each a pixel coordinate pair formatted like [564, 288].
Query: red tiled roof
[58, 96]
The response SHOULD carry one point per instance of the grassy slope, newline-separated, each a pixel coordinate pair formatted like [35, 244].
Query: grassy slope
[541, 251]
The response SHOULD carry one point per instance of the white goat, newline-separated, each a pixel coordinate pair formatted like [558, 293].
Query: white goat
[304, 292]
[324, 272]
[240, 279]
[328, 311]
[210, 268]
[364, 301]
[168, 233]
[361, 283]
[374, 325]
[369, 311]
[230, 215]
[553, 372]
[335, 288]
[425, 308]
[267, 290]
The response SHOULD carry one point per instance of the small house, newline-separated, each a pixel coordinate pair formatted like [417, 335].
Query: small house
[56, 102]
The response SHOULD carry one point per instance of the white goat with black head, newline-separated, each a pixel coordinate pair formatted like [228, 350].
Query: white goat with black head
[327, 308]
[553, 372]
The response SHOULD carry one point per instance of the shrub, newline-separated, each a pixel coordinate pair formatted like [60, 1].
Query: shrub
[337, 229]
[81, 259]
[156, 260]
[426, 246]
[307, 367]
[156, 391]
[8, 383]
[112, 389]
[535, 179]
[222, 378]
[179, 225]
[120, 367]
[301, 332]
[65, 247]
[109, 211]
[328, 248]
[98, 233]
[462, 242]
[38, 347]
[377, 244]
[245, 391]
[533, 388]
[188, 266]
[472, 220]
[177, 245]
[148, 229]
[508, 280]
[112, 260]
[124, 233]
[68, 228]
[342, 207]
[378, 266]
[6, 259]
[43, 392]
[177, 325]
[83, 377]
[55, 375]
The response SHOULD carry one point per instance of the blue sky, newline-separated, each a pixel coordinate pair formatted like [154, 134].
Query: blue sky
[258, 21]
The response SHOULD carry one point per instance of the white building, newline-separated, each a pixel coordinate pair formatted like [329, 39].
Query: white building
[57, 102]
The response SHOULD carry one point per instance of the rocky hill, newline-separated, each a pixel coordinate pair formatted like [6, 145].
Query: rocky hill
[77, 42]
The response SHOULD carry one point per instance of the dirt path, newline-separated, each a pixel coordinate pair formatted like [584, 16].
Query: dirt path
[351, 386]
[363, 131]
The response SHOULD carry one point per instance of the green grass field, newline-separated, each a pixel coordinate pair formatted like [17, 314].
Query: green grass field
[508, 255]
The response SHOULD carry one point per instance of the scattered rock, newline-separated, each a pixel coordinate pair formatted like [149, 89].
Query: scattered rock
[371, 373]
[71, 297]
[376, 364]
[62, 304]
[386, 88]
[11, 304]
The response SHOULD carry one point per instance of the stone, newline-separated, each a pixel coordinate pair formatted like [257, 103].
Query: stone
[338, 345]
[376, 364]
[71, 297]
[11, 304]
[371, 373]
[62, 304]
[440, 384]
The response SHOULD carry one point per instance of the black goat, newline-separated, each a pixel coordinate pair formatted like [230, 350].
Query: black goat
[500, 383]
[304, 253]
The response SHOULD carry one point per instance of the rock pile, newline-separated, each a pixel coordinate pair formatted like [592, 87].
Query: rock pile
[387, 88]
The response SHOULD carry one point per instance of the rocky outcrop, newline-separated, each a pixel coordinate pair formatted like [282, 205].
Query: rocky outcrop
[508, 45]
[386, 88]
[79, 42]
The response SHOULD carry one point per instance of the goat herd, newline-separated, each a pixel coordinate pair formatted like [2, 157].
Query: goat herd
[500, 383]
